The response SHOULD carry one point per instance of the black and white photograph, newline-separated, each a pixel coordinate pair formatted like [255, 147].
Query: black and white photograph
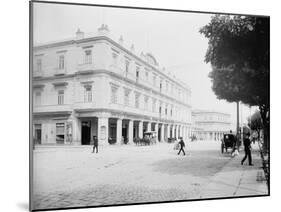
[132, 105]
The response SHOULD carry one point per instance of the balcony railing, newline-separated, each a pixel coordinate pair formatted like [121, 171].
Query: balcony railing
[85, 67]
[51, 108]
[37, 74]
[59, 71]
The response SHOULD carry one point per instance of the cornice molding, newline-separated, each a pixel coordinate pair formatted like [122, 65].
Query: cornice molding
[60, 84]
[104, 71]
[133, 116]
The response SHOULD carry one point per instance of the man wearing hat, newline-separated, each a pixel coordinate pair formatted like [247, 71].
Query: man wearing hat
[247, 149]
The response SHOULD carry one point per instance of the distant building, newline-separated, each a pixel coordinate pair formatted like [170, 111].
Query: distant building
[210, 125]
[95, 86]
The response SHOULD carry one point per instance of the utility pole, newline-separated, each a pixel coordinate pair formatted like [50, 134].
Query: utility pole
[237, 123]
[250, 118]
[241, 122]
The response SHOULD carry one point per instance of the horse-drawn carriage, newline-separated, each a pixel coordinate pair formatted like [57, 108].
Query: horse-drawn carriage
[228, 141]
[149, 137]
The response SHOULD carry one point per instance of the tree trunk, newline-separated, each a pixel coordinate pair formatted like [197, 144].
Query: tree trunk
[265, 122]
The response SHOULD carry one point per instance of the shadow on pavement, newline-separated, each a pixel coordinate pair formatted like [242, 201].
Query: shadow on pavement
[199, 163]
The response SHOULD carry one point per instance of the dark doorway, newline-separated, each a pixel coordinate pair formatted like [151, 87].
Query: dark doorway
[159, 134]
[86, 132]
[112, 133]
[125, 134]
[38, 132]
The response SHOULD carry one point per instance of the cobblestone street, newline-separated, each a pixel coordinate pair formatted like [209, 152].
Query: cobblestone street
[73, 177]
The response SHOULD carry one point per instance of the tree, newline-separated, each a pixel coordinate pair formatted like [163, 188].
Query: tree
[238, 51]
[255, 122]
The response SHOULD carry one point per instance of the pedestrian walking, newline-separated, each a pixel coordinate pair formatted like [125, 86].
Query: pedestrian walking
[182, 145]
[95, 146]
[247, 149]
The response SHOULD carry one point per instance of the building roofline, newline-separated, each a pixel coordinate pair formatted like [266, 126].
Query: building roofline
[197, 111]
[106, 38]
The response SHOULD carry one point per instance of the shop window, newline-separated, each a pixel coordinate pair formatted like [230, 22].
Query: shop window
[60, 133]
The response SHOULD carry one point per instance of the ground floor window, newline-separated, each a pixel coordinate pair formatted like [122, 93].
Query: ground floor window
[38, 133]
[60, 133]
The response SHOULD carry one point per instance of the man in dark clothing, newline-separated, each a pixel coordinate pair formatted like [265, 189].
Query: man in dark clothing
[247, 149]
[95, 142]
[182, 145]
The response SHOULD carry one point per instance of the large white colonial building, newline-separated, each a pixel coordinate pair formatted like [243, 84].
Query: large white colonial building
[210, 125]
[95, 86]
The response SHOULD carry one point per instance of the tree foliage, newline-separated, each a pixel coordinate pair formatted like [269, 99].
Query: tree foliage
[238, 51]
[255, 122]
[239, 54]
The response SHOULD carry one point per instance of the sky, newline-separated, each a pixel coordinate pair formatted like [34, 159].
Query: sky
[172, 37]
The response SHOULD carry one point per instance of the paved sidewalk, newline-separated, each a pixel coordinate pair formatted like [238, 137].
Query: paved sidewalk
[238, 180]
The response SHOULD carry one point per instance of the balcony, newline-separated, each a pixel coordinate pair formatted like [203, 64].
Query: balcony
[49, 109]
[59, 71]
[85, 105]
[85, 68]
[37, 74]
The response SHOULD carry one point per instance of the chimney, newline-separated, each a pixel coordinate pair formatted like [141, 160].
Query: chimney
[79, 34]
[103, 30]
[121, 40]
[132, 48]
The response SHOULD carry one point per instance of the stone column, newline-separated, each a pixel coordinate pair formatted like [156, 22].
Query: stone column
[76, 131]
[131, 131]
[162, 133]
[141, 129]
[156, 129]
[119, 131]
[149, 126]
[177, 132]
[168, 131]
[173, 131]
[103, 131]
[183, 133]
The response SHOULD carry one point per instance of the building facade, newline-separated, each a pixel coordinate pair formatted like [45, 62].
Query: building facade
[95, 86]
[210, 125]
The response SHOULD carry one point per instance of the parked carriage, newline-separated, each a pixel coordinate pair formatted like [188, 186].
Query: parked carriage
[228, 141]
[149, 137]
